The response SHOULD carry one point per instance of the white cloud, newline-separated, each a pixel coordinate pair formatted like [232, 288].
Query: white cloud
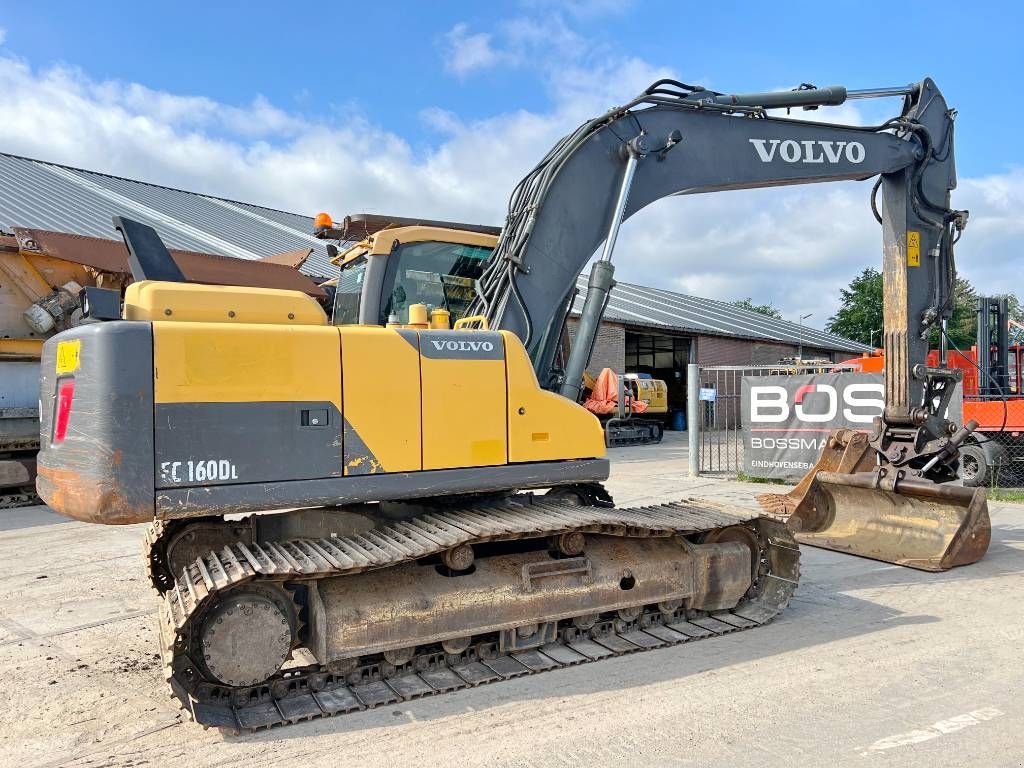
[542, 43]
[793, 246]
[466, 52]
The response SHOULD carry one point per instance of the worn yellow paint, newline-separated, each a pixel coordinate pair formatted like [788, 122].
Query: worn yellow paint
[69, 356]
[382, 398]
[234, 363]
[189, 302]
[464, 421]
[543, 426]
[21, 348]
[913, 248]
[382, 242]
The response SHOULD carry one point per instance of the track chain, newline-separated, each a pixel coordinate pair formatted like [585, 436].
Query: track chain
[22, 498]
[303, 693]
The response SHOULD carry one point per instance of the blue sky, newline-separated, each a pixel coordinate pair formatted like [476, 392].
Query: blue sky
[438, 108]
[385, 58]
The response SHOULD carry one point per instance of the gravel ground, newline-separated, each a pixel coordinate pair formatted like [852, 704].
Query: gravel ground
[871, 665]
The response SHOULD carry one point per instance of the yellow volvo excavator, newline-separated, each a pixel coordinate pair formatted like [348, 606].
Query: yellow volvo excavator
[409, 552]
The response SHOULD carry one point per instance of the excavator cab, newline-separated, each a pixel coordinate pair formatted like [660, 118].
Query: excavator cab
[395, 263]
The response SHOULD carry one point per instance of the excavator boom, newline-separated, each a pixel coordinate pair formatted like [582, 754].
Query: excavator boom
[676, 139]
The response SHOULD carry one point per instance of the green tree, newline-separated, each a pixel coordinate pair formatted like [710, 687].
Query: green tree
[860, 313]
[762, 309]
[859, 317]
[962, 327]
[1017, 315]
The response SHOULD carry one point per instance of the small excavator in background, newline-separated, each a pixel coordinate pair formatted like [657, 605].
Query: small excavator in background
[632, 408]
[409, 550]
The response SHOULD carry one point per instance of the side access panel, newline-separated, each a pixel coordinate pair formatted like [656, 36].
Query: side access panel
[102, 471]
[543, 426]
[246, 403]
[381, 369]
[464, 399]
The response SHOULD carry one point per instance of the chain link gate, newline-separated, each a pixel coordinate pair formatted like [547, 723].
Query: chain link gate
[721, 412]
[993, 458]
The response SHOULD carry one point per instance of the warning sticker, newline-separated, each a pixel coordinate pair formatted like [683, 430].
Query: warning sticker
[68, 356]
[913, 248]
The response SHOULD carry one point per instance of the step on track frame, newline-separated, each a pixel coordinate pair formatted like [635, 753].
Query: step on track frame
[312, 691]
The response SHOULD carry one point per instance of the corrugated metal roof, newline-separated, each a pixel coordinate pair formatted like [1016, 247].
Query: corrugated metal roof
[638, 305]
[41, 195]
[49, 196]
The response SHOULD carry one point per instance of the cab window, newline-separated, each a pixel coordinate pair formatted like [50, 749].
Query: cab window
[349, 292]
[440, 275]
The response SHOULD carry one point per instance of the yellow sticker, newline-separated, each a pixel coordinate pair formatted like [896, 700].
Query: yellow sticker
[913, 248]
[68, 355]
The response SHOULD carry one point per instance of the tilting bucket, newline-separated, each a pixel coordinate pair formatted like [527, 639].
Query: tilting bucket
[843, 503]
[920, 524]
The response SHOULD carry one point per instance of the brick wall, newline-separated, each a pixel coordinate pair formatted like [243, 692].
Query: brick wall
[719, 350]
[609, 348]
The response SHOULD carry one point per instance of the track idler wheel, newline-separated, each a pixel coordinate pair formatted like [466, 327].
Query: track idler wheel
[247, 637]
[400, 656]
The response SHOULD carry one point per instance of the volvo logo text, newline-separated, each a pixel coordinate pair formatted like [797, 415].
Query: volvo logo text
[792, 151]
[462, 346]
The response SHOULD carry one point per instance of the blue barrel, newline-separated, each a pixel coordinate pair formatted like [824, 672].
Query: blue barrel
[677, 422]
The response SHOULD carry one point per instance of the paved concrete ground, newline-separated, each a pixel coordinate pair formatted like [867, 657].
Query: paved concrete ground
[871, 665]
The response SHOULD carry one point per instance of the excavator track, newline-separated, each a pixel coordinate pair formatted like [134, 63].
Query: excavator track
[24, 497]
[314, 690]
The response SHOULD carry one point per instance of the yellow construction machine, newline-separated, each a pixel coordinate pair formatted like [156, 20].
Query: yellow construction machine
[632, 409]
[45, 278]
[405, 548]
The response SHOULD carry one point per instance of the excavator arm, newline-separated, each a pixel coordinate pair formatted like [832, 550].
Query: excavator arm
[676, 139]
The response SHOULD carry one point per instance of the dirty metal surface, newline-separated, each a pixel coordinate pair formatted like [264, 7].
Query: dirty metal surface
[845, 503]
[302, 693]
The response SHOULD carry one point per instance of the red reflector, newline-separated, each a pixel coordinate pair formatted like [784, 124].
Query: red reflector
[65, 394]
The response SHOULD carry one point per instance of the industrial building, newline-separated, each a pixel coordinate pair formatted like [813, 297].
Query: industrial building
[655, 331]
[646, 330]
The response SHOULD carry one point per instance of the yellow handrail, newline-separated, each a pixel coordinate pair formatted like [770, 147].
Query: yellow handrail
[478, 322]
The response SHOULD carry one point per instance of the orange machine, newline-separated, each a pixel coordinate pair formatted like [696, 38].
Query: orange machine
[1000, 417]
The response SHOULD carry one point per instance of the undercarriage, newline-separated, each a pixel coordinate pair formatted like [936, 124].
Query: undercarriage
[278, 618]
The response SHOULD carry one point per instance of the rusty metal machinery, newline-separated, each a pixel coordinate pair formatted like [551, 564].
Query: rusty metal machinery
[352, 604]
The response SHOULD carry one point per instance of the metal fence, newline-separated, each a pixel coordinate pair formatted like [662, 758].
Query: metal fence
[994, 458]
[720, 410]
